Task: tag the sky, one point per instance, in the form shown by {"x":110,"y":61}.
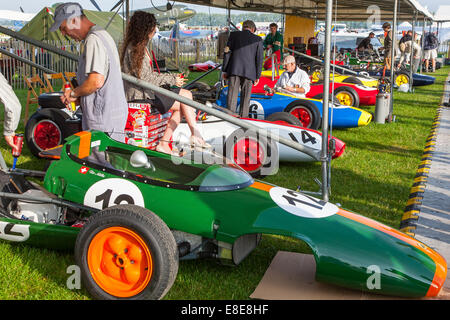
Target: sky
{"x":33,"y":6}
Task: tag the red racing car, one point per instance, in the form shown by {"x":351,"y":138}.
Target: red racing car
{"x":348,"y":94}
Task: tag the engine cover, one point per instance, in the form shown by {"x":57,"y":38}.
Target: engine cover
{"x":37,"y":212}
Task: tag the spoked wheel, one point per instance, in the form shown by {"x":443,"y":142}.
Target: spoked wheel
{"x":251,"y":152}
{"x":306,"y":112}
{"x":126,"y":252}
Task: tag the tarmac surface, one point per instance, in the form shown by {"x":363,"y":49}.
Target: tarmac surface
{"x":433,"y":225}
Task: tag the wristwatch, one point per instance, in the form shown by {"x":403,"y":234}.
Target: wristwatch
{"x":72,"y":94}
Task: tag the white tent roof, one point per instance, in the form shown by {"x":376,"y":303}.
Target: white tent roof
{"x":442,"y":14}
{"x":16,"y":15}
{"x":346,"y":9}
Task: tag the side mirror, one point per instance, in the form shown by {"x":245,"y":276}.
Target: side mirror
{"x":139,"y":159}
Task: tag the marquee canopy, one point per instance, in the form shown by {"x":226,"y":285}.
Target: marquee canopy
{"x":315,"y":9}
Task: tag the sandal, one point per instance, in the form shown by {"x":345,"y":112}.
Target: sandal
{"x":173,"y":152}
{"x":198,"y":142}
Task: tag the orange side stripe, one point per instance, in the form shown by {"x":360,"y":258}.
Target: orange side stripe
{"x":441,"y":265}
{"x":85,"y":144}
{"x":261,"y":186}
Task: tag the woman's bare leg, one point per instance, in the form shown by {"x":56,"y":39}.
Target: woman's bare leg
{"x":180,"y":109}
{"x":174,"y":120}
{"x":189,"y":113}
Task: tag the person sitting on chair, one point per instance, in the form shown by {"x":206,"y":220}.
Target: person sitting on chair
{"x":294,"y":80}
{"x":136,"y":61}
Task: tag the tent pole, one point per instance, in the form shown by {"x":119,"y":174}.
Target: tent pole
{"x":394,"y":41}
{"x":422,"y":40}
{"x":326,"y":101}
{"x":411,"y":59}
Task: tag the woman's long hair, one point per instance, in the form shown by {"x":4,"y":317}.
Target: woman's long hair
{"x":140,"y":26}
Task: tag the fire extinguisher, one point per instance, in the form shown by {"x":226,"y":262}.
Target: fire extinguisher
{"x":18,"y":141}
{"x":71,"y":106}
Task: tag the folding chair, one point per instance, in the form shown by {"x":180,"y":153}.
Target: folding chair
{"x":70,"y":76}
{"x":54,"y":76}
{"x":32,"y":96}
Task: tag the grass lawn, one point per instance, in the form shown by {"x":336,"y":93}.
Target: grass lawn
{"x":373,"y":178}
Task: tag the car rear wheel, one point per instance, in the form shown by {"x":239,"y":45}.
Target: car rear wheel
{"x":352,"y":80}
{"x":44,"y":132}
{"x":251,"y":152}
{"x":401,"y":78}
{"x":347,"y":96}
{"x":306,"y":112}
{"x":126,"y":252}
{"x":284,"y":118}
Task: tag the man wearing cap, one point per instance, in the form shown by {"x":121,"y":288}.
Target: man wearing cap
{"x":242,"y":65}
{"x":294,"y":80}
{"x":100,"y":93}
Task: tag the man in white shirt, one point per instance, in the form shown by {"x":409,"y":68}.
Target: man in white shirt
{"x":294,"y":80}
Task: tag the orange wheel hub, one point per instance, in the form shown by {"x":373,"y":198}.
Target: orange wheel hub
{"x":120,"y":262}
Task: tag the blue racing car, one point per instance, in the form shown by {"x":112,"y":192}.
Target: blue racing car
{"x":308,"y":111}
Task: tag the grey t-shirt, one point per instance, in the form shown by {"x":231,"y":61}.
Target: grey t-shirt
{"x":97,"y":58}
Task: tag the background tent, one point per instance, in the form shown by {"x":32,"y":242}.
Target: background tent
{"x":38,"y":28}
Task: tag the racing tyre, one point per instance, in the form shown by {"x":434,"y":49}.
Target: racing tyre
{"x":51,"y":100}
{"x":252,"y":152}
{"x":401,"y":78}
{"x":347,"y":96}
{"x":45,"y":130}
{"x":306,"y":112}
{"x":126,"y":252}
{"x":352,"y":80}
{"x":320,"y":97}
{"x":283,"y":118}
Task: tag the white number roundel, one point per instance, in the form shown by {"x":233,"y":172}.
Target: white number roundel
{"x":255,"y":110}
{"x":302,"y":205}
{"x":110,"y":192}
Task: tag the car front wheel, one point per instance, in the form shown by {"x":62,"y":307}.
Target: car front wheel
{"x":126,"y":252}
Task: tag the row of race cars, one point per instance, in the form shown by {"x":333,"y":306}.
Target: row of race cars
{"x":113,"y":203}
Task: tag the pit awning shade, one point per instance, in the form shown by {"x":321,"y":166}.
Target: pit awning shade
{"x":357,"y":10}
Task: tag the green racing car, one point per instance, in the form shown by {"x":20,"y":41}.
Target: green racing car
{"x":131,"y":214}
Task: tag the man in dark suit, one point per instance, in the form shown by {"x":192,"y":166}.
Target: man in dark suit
{"x":242,"y":65}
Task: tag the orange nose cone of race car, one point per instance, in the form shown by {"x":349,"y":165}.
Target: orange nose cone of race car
{"x":439,"y":276}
